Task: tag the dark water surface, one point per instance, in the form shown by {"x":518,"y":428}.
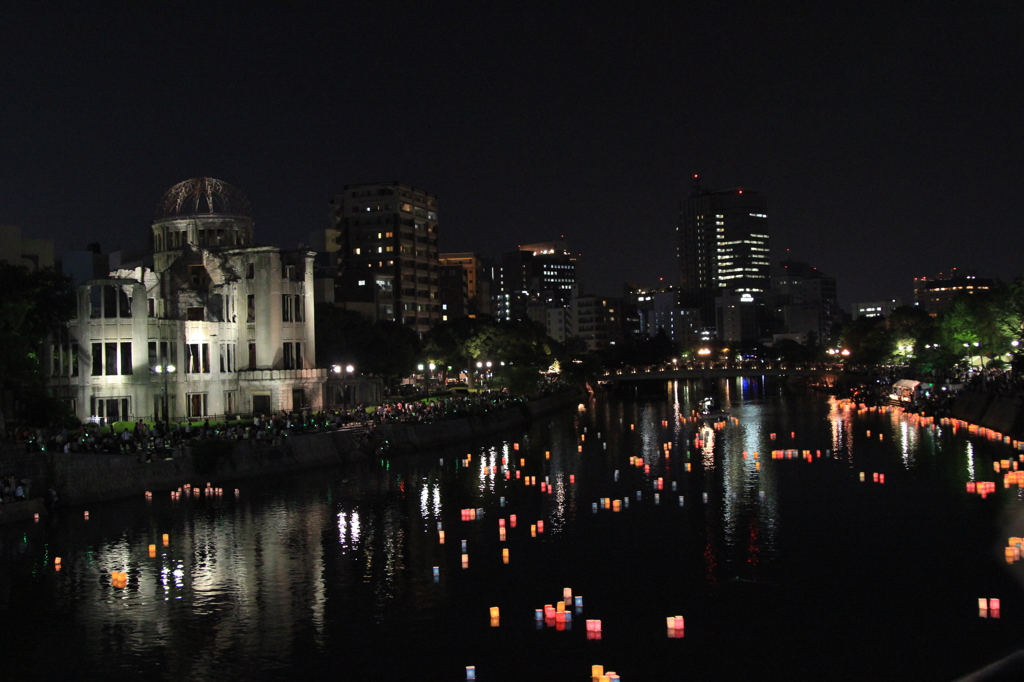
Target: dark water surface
{"x":328,"y":574}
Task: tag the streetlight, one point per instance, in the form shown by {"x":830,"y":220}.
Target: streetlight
{"x":348,"y":369}
{"x":165,"y":370}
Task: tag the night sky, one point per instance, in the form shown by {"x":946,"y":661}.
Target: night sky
{"x":887,"y":136}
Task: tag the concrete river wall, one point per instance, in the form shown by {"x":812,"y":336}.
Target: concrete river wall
{"x":1004,"y":414}
{"x":80,"y":478}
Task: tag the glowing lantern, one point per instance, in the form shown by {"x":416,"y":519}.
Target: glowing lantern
{"x":540,"y":526}
{"x":470,"y":672}
{"x":440,"y":537}
{"x":35,"y":517}
{"x":56,"y":561}
{"x":504,"y":555}
{"x":512,"y":520}
{"x":533,"y":530}
{"x":465,"y":561}
{"x":166,"y":539}
{"x":86,"y":516}
{"x":152,"y":550}
{"x":572,"y":478}
{"x":501,"y":534}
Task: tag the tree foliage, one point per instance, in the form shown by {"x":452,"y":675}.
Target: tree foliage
{"x":383,"y":348}
{"x":33,"y":305}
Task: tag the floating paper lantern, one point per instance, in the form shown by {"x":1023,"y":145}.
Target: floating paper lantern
{"x":86,"y":516}
{"x":494,"y":612}
{"x":578,"y":602}
{"x":616,"y":505}
{"x":705,"y":496}
{"x":470,"y":672}
{"x":501,"y":534}
{"x":538,"y":614}
{"x":522,"y":462}
{"x":504,"y":555}
{"x":463,"y":545}
{"x":440,"y":537}
{"x":152,"y":550}
{"x":881,"y":478}
{"x":437,"y":573}
{"x":512,"y":520}
{"x":593,"y":507}
{"x":572,"y":478}
{"x":657,"y":498}
{"x":540,"y":526}
{"x":56,"y":561}
{"x":533,"y":530}
{"x":680,"y":500}
{"x":465,"y":561}
{"x":35,"y":517}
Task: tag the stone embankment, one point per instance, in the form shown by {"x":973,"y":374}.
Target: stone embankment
{"x":1003,"y":414}
{"x":80,"y":478}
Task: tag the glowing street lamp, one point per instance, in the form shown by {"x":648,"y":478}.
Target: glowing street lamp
{"x":343,"y":372}
{"x":165,"y":370}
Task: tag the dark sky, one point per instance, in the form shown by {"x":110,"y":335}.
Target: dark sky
{"x":887,"y":136}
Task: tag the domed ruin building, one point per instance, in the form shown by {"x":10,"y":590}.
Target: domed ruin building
{"x":211,"y":323}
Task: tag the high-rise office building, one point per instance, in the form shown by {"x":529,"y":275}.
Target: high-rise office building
{"x":477,"y":274}
{"x":391,"y":228}
{"x":541,"y":274}
{"x":723,"y":247}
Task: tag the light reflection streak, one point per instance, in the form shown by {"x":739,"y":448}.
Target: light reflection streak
{"x":970,"y":461}
{"x":707,"y":435}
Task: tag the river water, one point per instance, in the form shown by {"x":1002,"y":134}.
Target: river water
{"x":790,"y":569}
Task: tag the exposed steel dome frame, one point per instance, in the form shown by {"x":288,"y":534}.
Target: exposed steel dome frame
{"x":202,"y":196}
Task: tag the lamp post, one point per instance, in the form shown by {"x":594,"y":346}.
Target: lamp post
{"x":343,"y":372}
{"x":165,"y":370}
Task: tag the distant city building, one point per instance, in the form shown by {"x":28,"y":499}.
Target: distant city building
{"x":596,"y":320}
{"x":722,"y":247}
{"x":804,"y":301}
{"x":681,"y":325}
{"x":454,"y":287}
{"x":739,"y":318}
{"x":16,"y":249}
{"x":390,"y":228}
{"x":209,"y":325}
{"x":937,"y":293}
{"x":478,"y":284}
{"x":543,"y":273}
{"x":876,"y":308}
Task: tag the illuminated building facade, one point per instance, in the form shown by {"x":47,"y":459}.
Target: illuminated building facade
{"x":937,"y":293}
{"x":233,"y":320}
{"x":390,"y":228}
{"x":722,"y":247}
{"x":539,"y":275}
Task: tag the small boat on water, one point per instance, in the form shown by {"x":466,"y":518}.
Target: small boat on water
{"x":711,"y":412}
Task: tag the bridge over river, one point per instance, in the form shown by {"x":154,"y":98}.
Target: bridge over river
{"x":828,"y":372}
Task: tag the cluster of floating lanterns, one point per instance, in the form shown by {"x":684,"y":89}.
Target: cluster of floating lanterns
{"x":988,"y":608}
{"x":597,"y":674}
{"x":1013,"y":550}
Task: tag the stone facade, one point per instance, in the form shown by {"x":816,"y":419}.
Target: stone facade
{"x":210,"y":323}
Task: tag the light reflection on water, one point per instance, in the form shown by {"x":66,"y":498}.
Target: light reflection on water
{"x":305,"y":567}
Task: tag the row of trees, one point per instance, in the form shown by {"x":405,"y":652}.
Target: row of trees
{"x":519,"y":352}
{"x":987,"y":326}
